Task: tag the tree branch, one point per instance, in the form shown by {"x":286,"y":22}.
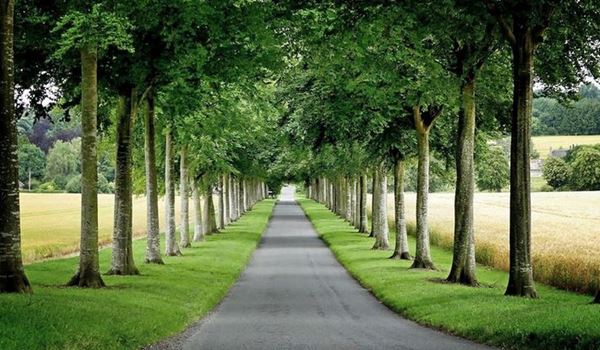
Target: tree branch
{"x":506,"y":29}
{"x":538,"y":31}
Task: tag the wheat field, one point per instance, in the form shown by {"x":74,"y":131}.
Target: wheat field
{"x":565,"y":233}
{"x":50,"y":222}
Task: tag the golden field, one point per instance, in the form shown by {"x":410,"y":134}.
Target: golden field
{"x":543,"y":144}
{"x":50,"y":222}
{"x":566,"y":233}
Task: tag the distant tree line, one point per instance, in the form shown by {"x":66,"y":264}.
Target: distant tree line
{"x":50,"y":155}
{"x":581,"y":117}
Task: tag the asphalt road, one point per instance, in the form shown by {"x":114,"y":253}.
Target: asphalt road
{"x":295,"y":295}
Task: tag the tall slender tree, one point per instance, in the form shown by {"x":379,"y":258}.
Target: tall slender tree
{"x":90,"y":33}
{"x":12,"y":275}
{"x":172,"y":247}
{"x":153,"y":255}
{"x":564,"y":34}
{"x":122,"y":252}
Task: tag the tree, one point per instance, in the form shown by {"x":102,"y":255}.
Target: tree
{"x":184,"y":224}
{"x":89,"y":33}
{"x":423,"y":123}
{"x":63,"y":162}
{"x":153,"y":226}
{"x":472,"y":35}
{"x":380,"y":226}
{"x":12,"y":275}
{"x":172,"y":248}
{"x":539,"y":28}
{"x":198,"y":222}
{"x":556,"y":172}
{"x":122,"y":248}
{"x":586,"y":169}
{"x":401,"y":247}
{"x":492,"y":170}
{"x":32,"y":162}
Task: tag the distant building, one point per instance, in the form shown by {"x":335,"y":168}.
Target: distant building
{"x":558,"y":153}
{"x":535,"y":167}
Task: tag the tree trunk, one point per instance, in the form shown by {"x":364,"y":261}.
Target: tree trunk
{"x":233,"y":198}
{"x":221,"y":203}
{"x":241,"y":195}
{"x":225,"y":195}
{"x":184,"y":225}
{"x":152,"y":224}
{"x":198,"y":229}
{"x":422,"y":254}
{"x":205,"y":223}
{"x":88,"y":274}
{"x":381,"y":230}
{"x":172,"y":248}
{"x":401,"y":246}
{"x":374,"y":207}
{"x":212,"y":222}
{"x":349,"y":205}
{"x":12,"y":275}
{"x":364,"y":220}
{"x":122,"y":254}
{"x":355,"y":204}
{"x":597,"y":299}
{"x":520,"y":280}
{"x":463,"y":259}
{"x":317,"y":185}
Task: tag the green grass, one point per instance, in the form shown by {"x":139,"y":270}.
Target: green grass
{"x":132,"y":311}
{"x":558,"y":320}
{"x":538,"y":184}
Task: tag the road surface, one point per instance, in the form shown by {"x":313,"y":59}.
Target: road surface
{"x":295,"y":295}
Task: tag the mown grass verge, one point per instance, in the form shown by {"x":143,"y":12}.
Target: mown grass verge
{"x":558,"y":320}
{"x":132,"y":311}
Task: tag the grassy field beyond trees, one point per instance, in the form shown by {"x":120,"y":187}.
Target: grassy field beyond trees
{"x":543,"y":144}
{"x":558,"y":320}
{"x":133,"y":311}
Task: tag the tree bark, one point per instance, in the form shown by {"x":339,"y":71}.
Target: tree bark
{"x":152,"y":223}
{"x":122,"y":254}
{"x":597,"y":299}
{"x":172,"y":248}
{"x":184,"y":225}
{"x":381,"y":229}
{"x":401,"y":246}
{"x":463,"y":259}
{"x":364,"y":220}
{"x":241,"y":196}
{"x":221,"y":203}
{"x":234,"y":198}
{"x":205,"y":223}
{"x":422,"y":254}
{"x":123,"y":220}
{"x":88,"y":274}
{"x":349,"y":204}
{"x":198,"y":227}
{"x":212,"y":222}
{"x":374,"y":207}
{"x":12,"y":274}
{"x":225,"y":195}
{"x":520,"y":280}
{"x":355,"y":204}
